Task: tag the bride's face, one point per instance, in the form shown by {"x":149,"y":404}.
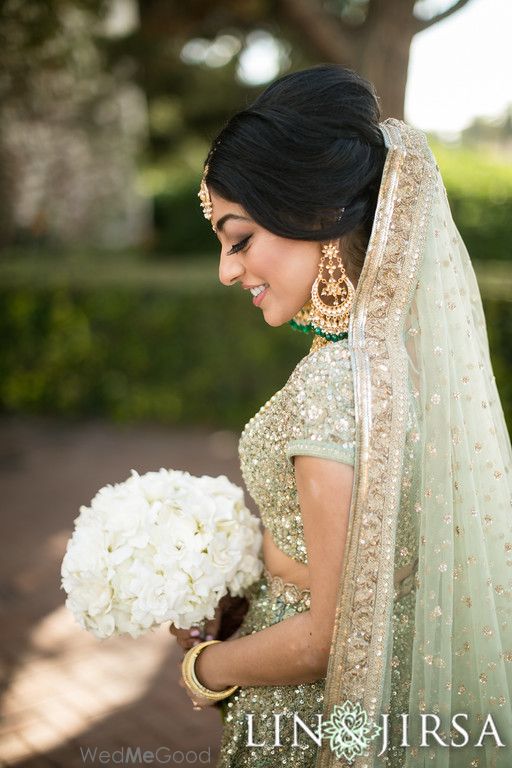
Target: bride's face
{"x":253,"y":256}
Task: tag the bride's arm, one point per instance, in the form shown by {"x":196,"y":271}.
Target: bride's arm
{"x":295,"y":650}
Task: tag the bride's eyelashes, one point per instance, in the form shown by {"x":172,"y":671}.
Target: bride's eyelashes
{"x":238,"y":246}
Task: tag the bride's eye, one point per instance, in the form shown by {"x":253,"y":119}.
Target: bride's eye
{"x":239,"y":246}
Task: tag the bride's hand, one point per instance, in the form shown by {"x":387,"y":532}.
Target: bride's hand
{"x":228,"y":617}
{"x":187,"y":638}
{"x":199,"y":702}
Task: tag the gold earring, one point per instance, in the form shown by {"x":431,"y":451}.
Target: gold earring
{"x":327,"y":312}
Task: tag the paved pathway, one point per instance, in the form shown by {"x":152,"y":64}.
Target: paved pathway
{"x":66,"y":696}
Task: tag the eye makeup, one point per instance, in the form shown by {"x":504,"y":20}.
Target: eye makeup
{"x":239,"y":246}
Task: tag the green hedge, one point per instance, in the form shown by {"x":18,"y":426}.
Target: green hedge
{"x":134,"y":353}
{"x":165,"y":344}
{"x":479,"y":188}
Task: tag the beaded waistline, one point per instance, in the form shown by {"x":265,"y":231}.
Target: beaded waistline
{"x":288,"y":592}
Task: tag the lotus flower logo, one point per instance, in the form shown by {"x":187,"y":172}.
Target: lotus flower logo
{"x":349,"y":731}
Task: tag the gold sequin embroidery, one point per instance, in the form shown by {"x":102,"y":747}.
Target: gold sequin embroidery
{"x":313,"y":415}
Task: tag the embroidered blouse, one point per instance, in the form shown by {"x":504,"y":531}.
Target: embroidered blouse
{"x":312,"y":415}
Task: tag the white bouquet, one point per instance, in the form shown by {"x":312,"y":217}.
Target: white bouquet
{"x":163,"y":546}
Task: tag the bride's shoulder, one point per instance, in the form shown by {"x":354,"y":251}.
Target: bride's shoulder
{"x":327,"y":360}
{"x":320,"y":404}
{"x":323,"y":373}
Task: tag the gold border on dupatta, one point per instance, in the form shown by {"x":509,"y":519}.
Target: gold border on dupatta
{"x":356,"y":670}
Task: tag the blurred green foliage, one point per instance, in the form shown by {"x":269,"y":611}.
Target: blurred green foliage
{"x":120,"y":339}
{"x":479,"y":187}
{"x":165,"y":348}
{"x":179,"y":229}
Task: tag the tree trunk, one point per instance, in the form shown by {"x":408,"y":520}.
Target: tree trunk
{"x":8,"y":189}
{"x":383,"y":56}
{"x":377,"y":49}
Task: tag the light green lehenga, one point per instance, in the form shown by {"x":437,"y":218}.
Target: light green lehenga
{"x":263,"y":701}
{"x":306,"y":699}
{"x":313,"y":414}
{"x":423,"y":624}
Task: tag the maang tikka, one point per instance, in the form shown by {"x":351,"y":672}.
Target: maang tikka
{"x":327,"y":312}
{"x":204,"y":197}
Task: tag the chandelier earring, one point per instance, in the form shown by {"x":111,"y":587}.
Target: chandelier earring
{"x":327,"y":312}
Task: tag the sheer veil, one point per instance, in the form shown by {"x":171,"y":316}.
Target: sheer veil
{"x":424,"y":610}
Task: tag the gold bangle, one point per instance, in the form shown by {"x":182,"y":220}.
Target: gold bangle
{"x":190,"y":677}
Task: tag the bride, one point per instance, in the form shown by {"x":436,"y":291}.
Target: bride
{"x":380,"y":632}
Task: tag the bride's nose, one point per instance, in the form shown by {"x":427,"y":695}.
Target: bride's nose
{"x":230,"y":269}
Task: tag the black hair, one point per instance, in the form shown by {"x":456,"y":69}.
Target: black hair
{"x":307,"y":147}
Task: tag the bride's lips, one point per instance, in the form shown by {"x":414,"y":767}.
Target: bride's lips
{"x":259,"y":298}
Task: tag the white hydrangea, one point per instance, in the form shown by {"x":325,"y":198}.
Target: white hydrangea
{"x":163,"y":546}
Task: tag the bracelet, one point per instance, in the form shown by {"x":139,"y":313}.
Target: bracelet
{"x":190,"y":677}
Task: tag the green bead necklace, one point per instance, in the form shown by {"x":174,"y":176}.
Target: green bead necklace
{"x":308,"y":328}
